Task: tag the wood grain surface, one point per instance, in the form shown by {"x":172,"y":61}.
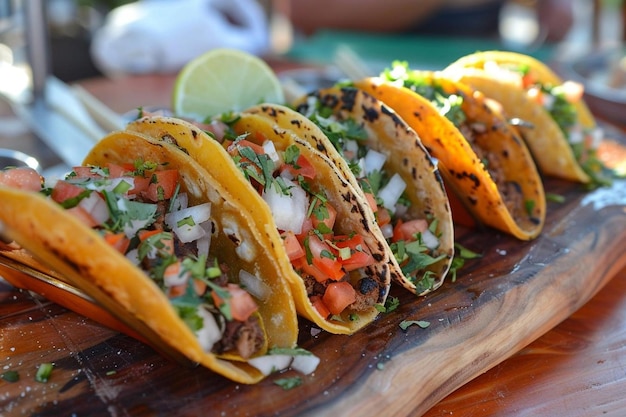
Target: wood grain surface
{"x":499,"y":304}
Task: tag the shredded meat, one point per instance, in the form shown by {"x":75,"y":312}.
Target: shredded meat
{"x":245,"y":338}
{"x":510,"y":191}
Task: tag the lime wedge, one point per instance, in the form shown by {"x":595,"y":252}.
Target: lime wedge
{"x":224,"y":80}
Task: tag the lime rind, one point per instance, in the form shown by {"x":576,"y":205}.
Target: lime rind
{"x":224,"y":80}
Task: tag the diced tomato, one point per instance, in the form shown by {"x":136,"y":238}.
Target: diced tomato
{"x":383,"y":217}
{"x":140,"y":186}
{"x":331,"y":268}
{"x":85,"y":172}
{"x":21,"y":178}
{"x":117,"y":240}
{"x":145,"y":234}
{"x":338,"y":296}
{"x":317,"y":246}
{"x":302,"y":167}
{"x":82,"y":215}
{"x":355,"y":242}
{"x":360,"y":256}
{"x":292,"y":246}
{"x":164,"y":186}
{"x":318,"y":304}
{"x":242,"y":305}
{"x":118,"y":171}
{"x":64,"y":190}
{"x":407,"y":230}
{"x":528,"y":79}
{"x":311,"y":270}
{"x":371,"y":200}
{"x":259,"y":137}
{"x":176,"y":290}
{"x":358,"y":259}
{"x":328,"y":221}
{"x":244,"y":143}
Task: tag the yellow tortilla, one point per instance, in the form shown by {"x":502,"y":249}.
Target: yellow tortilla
{"x":461,"y":167}
{"x":80,"y":254}
{"x":548,"y":144}
{"x":353,"y":213}
{"x":387,"y":133}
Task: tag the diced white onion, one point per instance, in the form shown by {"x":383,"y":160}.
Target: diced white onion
{"x":254,"y":285}
{"x":270,"y":150}
{"x":204,"y":243}
{"x":374,"y":161}
{"x":189,"y":232}
{"x":548,"y":101}
{"x":131,"y":229}
{"x":430,"y":240}
{"x":351,"y":147}
{"x":210,"y":332}
{"x":305,"y":364}
{"x":288,"y":211}
{"x":387,"y":230}
{"x":181,"y":201}
{"x":133,"y":256}
{"x":575,"y":135}
{"x":96,"y":207}
{"x":286,"y":174}
{"x":392,"y":191}
{"x":271,"y":363}
{"x":597,"y":135}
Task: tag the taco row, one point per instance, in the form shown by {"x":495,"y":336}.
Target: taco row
{"x":218,"y":236}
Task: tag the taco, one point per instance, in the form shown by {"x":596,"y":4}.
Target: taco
{"x":152,"y":230}
{"x":400,"y":180}
{"x":483,"y":162}
{"x":323,"y":234}
{"x":557,"y":125}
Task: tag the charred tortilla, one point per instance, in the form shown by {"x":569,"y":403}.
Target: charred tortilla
{"x":558,"y":127}
{"x":482,"y":160}
{"x":246,"y":132}
{"x":81,"y":254}
{"x":361,"y":129}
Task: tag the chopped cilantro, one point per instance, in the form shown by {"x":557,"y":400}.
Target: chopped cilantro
{"x":288,"y":383}
{"x":405,"y":324}
{"x":555,"y":198}
{"x":10,"y":376}
{"x":461,"y":255}
{"x":43,"y":372}
{"x":391,"y":304}
{"x":529,"y":205}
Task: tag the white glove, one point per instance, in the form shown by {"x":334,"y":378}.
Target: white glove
{"x":151,"y":36}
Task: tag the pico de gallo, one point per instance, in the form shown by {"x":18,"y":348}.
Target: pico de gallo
{"x":559,"y":101}
{"x":329,"y":263}
{"x":141,"y":211}
{"x":413,"y":241}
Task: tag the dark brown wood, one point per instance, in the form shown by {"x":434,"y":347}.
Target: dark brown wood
{"x":499,"y":304}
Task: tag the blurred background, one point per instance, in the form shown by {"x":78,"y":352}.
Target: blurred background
{"x":121,"y":28}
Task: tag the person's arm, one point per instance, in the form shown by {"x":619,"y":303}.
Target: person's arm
{"x":364,"y":15}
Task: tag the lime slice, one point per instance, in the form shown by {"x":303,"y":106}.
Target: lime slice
{"x":224,"y":80}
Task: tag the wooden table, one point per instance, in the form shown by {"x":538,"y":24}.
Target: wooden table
{"x":576,"y":369}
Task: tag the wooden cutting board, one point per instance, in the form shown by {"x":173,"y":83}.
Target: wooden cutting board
{"x":499,"y":303}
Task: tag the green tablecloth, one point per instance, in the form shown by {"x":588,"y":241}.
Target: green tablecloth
{"x":421,"y":52}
